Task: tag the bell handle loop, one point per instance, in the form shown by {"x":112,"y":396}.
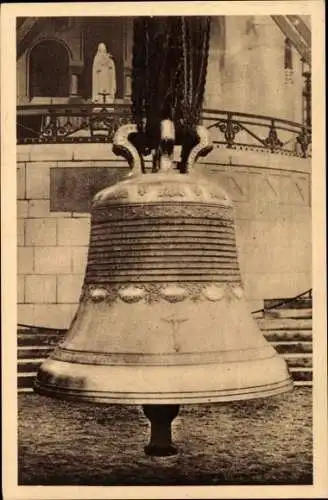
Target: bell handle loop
{"x":166,"y":147}
{"x":122,"y":146}
{"x":202,"y":148}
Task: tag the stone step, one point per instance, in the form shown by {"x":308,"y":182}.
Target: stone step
{"x":293,"y":355}
{"x":39,"y":339}
{"x":34,"y":351}
{"x":28,"y":365}
{"x":305,"y":313}
{"x":295,"y":360}
{"x":292,"y":347}
{"x":301,"y":303}
{"x":25,"y":379}
{"x":297,"y":370}
{"x":301,"y":374}
{"x":284,"y":323}
{"x":288,"y":335}
{"x":25,"y":389}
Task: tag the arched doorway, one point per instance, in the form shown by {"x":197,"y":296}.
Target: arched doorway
{"x":49,"y":70}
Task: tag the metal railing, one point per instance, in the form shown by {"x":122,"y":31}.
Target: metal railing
{"x":67,"y":123}
{"x":74,"y":123}
{"x":236,"y":130}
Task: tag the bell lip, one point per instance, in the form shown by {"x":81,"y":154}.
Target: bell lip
{"x":220,"y":396}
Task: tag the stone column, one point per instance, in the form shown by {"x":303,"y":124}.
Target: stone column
{"x":270,"y":96}
{"x":235,"y":86}
{"x":161,"y":417}
{"x":253,"y":76}
{"x":74,"y":85}
{"x":75,"y":72}
{"x":213,"y":98}
{"x":127,"y":58}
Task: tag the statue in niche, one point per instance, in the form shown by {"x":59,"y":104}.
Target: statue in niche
{"x":103,"y":77}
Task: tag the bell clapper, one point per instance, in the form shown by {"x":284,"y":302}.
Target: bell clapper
{"x":161,"y":417}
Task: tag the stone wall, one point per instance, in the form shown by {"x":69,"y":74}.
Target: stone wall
{"x":246,"y":69}
{"x":52,"y":246}
{"x":273,"y":223}
{"x":272,"y":199}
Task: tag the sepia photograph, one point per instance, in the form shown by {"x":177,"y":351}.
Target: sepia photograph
{"x":169,"y":245}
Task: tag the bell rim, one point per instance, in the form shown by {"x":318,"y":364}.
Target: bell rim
{"x":142,"y":399}
{"x":197,"y":383}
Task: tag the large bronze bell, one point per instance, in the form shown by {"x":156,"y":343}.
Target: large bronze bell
{"x":163,"y":318}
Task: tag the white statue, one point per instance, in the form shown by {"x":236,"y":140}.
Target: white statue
{"x":103,"y":76}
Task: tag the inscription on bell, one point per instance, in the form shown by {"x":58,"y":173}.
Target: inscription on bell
{"x":171,"y":191}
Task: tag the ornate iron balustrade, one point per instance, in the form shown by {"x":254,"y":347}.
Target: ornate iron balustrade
{"x":236,"y":130}
{"x":74,"y":123}
{"x":70,"y":123}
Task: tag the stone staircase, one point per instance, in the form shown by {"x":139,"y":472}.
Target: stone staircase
{"x":34,"y":345}
{"x":286,"y":324}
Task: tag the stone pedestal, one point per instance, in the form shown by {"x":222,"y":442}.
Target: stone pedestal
{"x":74,"y":91}
{"x":161,"y":417}
{"x":74,"y":85}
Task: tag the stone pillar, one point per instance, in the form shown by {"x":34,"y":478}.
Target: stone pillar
{"x":74,"y":85}
{"x":22,"y":80}
{"x":235,"y":88}
{"x":161,"y":417}
{"x":213,"y":98}
{"x":127,"y":58}
{"x":75,"y":72}
{"x":253,"y":78}
{"x":269,"y":92}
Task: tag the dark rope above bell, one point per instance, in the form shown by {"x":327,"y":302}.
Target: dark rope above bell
{"x":168,"y":78}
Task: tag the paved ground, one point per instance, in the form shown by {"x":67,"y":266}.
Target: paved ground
{"x":265,"y":441}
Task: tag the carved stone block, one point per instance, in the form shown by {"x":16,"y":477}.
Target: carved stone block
{"x":72,"y":189}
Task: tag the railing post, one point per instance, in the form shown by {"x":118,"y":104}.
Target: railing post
{"x":230,"y":129}
{"x":49,"y":126}
{"x":273,"y":141}
{"x":307,"y":93}
{"x":304,"y":140}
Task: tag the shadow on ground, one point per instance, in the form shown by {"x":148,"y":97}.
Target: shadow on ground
{"x":267,"y":441}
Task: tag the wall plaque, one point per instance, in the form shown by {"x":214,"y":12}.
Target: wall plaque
{"x":73,"y":188}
